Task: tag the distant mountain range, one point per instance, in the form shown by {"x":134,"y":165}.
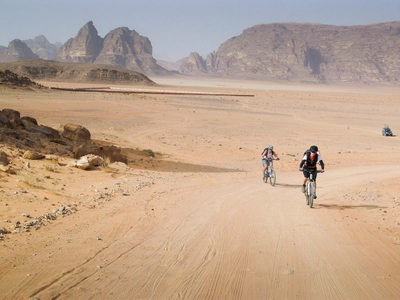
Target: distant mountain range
{"x":296,"y":52}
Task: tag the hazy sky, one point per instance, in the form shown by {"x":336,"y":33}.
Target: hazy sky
{"x":178,"y":27}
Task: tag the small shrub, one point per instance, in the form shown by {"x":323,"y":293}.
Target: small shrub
{"x":51,"y":167}
{"x":149,"y":152}
{"x":30,"y":179}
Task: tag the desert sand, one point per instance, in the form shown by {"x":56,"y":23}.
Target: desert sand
{"x":197,"y":221}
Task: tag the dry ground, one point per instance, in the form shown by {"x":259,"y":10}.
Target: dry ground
{"x":197,"y":221}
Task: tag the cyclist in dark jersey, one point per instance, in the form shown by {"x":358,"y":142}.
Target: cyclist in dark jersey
{"x":309,"y":165}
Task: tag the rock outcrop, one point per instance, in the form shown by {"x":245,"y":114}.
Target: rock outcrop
{"x":121,"y":47}
{"x":76,"y":133}
{"x":126,"y":48}
{"x":11,"y":80}
{"x":39,"y":141}
{"x":83,"y":48}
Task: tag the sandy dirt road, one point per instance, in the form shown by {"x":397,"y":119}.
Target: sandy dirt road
{"x":201,"y":224}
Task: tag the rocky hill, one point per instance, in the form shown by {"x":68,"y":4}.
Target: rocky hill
{"x":73,"y":72}
{"x":120,"y":47}
{"x":9,"y":80}
{"x":304,"y":52}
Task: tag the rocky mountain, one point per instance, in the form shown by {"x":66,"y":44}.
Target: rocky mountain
{"x":194,"y":63}
{"x":297,"y":52}
{"x":120,"y":47}
{"x":306,"y":52}
{"x":17,"y":50}
{"x":42,"y":47}
{"x":83,"y":48}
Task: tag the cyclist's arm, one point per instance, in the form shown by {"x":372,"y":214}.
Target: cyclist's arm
{"x":302,"y":163}
{"x":322,"y":164}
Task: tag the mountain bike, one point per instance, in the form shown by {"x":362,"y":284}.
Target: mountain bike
{"x":270,"y":172}
{"x":310,"y":189}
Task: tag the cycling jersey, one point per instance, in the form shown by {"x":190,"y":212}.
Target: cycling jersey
{"x":308,"y":162}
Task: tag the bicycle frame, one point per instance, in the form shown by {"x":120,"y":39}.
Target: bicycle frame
{"x":310,"y":188}
{"x":270,"y":172}
{"x":270,"y":163}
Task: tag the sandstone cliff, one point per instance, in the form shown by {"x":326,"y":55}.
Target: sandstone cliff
{"x":310,"y":53}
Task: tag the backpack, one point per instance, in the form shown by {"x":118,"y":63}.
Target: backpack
{"x":266,"y":152}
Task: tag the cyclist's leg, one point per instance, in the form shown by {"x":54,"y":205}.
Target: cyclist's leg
{"x":265,"y":166}
{"x":306,"y":174}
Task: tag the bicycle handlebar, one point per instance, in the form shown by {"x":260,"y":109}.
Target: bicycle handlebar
{"x":308,"y":170}
{"x":271,"y":158}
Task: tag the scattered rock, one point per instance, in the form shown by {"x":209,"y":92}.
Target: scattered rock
{"x":7,"y":169}
{"x":33,"y":155}
{"x":87,"y":162}
{"x":45,"y":130}
{"x":3,"y":230}
{"x":113,"y":153}
{"x":76,"y":133}
{"x":3,"y":158}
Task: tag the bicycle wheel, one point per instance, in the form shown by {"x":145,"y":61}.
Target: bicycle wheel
{"x":311,"y":194}
{"x":265,"y":178}
{"x":272,"y":176}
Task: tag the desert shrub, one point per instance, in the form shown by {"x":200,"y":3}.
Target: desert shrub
{"x":149,"y":152}
{"x":29,"y":178}
{"x":51,"y":167}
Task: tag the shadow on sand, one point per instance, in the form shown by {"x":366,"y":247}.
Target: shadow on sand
{"x":296,"y":186}
{"x":343,"y":207}
{"x":175,"y":166}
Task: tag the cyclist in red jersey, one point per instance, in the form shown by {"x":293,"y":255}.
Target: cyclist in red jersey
{"x":309,"y":165}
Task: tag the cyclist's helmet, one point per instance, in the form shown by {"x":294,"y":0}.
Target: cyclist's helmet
{"x":314,"y":148}
{"x":271,"y":147}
